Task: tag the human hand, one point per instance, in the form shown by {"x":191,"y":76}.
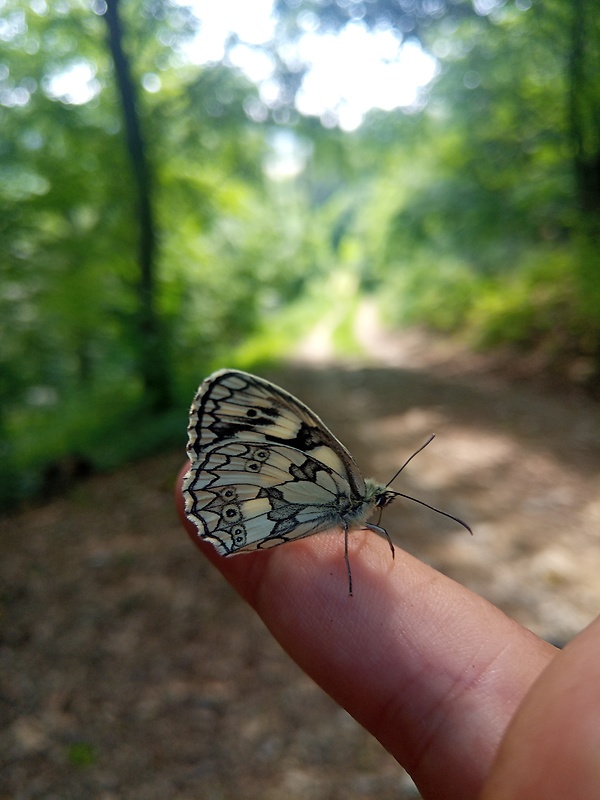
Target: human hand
{"x":432,"y":670}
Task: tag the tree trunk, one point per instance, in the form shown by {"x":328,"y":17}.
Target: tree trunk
{"x":151,"y":349}
{"x":584,"y":110}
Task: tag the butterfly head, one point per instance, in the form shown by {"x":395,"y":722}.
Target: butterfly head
{"x":384,"y":498}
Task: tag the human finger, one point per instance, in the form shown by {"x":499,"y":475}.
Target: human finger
{"x":552,"y":747}
{"x":429,"y":668}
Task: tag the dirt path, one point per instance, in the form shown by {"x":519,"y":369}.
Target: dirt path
{"x":128,"y":668}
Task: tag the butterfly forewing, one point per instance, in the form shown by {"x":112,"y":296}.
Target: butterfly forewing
{"x":235,"y":405}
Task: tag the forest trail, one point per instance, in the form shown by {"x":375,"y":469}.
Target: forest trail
{"x":129,"y":668}
{"x":517,"y":455}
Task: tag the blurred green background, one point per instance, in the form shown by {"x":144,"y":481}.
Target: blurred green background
{"x":166,"y":211}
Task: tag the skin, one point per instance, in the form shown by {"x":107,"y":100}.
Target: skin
{"x":469,"y":702}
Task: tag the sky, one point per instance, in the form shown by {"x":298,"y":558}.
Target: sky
{"x":349,"y":73}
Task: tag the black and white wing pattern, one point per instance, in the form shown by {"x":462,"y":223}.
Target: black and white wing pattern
{"x":265,"y":469}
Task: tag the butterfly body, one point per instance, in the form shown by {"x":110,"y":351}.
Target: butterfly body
{"x":266,"y":470}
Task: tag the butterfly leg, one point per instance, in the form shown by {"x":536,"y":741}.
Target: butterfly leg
{"x":379,"y":529}
{"x":391,"y":544}
{"x":347,"y":559}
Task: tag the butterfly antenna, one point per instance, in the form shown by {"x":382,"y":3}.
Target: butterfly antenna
{"x":433,"y":508}
{"x":409,"y":459}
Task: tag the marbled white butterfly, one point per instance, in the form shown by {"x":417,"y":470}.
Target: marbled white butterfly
{"x":265,"y":470}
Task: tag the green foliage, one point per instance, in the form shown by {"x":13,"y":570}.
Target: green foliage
{"x":90,"y":431}
{"x":435,"y":291}
{"x":476,"y":222}
{"x":69,"y":305}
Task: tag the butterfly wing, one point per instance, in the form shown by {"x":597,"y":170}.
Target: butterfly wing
{"x":246,"y":496}
{"x":264,"y":468}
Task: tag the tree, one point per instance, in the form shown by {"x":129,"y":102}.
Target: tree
{"x":152,"y":350}
{"x":584,"y":105}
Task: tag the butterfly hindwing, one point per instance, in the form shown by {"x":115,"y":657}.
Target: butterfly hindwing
{"x":249,"y":496}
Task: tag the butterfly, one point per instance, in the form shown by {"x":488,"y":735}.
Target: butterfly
{"x":265,"y":470}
